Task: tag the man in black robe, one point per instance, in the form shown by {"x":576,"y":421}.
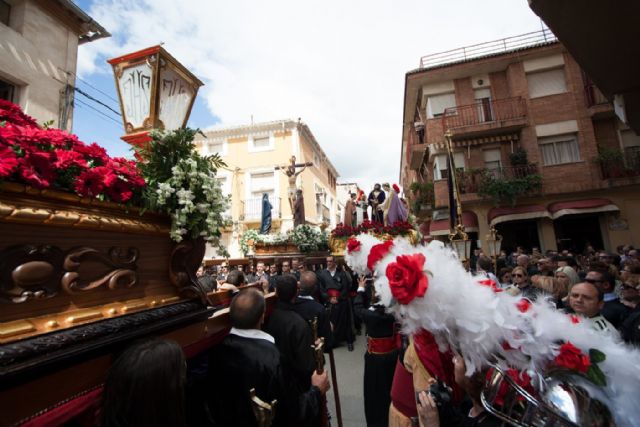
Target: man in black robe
{"x":294,"y":341}
{"x":335,"y":285}
{"x":310,"y":309}
{"x":380,"y":358}
{"x":248,"y":359}
{"x":376,"y":198}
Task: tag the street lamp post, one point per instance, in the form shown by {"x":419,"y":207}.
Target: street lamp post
{"x":155,"y":92}
{"x":458,"y":237}
{"x":494,"y":243}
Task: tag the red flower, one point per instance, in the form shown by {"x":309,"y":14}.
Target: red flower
{"x":66,"y":159}
{"x":8,"y":162}
{"x":520,"y":378}
{"x":92,"y":152}
{"x":93,"y":182}
{"x":353,"y":245}
{"x":574,"y":319}
{"x":12,"y":113}
{"x":523,"y":305}
{"x":571,"y":357}
{"x":491,"y":284}
{"x":35,"y":169}
{"x":377,"y":253}
{"x":406,"y":278}
{"x":119,"y":191}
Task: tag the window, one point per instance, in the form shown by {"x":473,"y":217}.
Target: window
{"x":216,"y":146}
{"x":7,"y":90}
{"x":262,"y":182}
{"x":547,"y":82}
{"x":559,"y":149}
{"x":224,"y":186}
{"x":631,"y":146}
{"x":492,"y":159}
{"x":436,"y":104}
{"x":5,"y":12}
{"x":440,"y":165}
{"x":483,"y":101}
{"x":262,"y":143}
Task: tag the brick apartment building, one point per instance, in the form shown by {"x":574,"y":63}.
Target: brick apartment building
{"x":539,"y":151}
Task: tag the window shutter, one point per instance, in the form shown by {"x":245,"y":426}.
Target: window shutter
{"x":436,"y":104}
{"x":548,"y":82}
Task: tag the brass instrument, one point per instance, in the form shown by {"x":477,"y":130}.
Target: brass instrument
{"x":563,"y":401}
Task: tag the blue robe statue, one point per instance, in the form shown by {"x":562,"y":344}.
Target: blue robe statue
{"x":265,"y":226}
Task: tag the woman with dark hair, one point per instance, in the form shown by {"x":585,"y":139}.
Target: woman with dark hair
{"x":145,"y":386}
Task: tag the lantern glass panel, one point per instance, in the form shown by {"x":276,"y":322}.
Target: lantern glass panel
{"x":176,"y":95}
{"x":135,"y":89}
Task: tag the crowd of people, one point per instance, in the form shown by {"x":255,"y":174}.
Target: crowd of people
{"x":274,"y":357}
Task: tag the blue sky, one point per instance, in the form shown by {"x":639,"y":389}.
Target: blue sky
{"x":337,"y":65}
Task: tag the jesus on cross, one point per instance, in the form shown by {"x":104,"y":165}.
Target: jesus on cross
{"x":292,"y":175}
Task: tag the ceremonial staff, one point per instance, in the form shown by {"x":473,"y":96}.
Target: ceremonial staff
{"x":318,"y":355}
{"x":334,"y":379}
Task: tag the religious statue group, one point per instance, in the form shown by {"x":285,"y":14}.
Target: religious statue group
{"x":383,"y":206}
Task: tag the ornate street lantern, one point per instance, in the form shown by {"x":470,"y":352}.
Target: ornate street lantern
{"x":494,"y":244}
{"x":155,"y":91}
{"x":460,"y":243}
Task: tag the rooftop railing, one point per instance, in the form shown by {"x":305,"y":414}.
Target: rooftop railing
{"x":488,"y":48}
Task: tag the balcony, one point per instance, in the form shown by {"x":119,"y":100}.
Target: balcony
{"x":252,"y":209}
{"x":622,"y":166}
{"x":486,"y":117}
{"x":598,"y":105}
{"x":471,"y":181}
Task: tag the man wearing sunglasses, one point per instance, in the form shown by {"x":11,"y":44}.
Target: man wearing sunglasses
{"x":613,"y":310}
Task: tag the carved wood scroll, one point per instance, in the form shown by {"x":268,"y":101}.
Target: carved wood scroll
{"x":121,"y":269}
{"x":186,"y":257}
{"x":29,"y":272}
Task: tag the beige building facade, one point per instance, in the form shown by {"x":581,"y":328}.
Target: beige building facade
{"x":252,"y":152}
{"x":38,"y":55}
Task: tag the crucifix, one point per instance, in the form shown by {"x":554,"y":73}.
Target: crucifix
{"x":292,"y":174}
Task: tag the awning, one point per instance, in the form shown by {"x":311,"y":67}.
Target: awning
{"x":581,"y":207}
{"x":441,"y":227}
{"x":498,"y":215}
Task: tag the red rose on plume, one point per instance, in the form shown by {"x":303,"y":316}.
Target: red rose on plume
{"x":490,"y":284}
{"x":406,"y":278}
{"x":8,"y":162}
{"x":574,"y":319}
{"x":377,"y":253}
{"x":523,"y":305}
{"x":353,"y":245}
{"x":571,"y":357}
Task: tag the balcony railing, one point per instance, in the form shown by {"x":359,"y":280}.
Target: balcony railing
{"x":470,"y":180}
{"x":626,"y":166}
{"x":486,"y":111}
{"x":488,"y":48}
{"x":594,"y":96}
{"x":252,"y":208}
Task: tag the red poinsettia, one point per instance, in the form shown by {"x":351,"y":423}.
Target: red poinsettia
{"x":66,"y":159}
{"x":12,"y":113}
{"x":92,"y":182}
{"x":353,"y":245}
{"x":377,"y":253}
{"x":406,"y":278}
{"x":571,"y":357}
{"x":8,"y":162}
{"x":36,"y":169}
{"x":523,"y":305}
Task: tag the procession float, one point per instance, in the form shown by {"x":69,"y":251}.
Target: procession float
{"x":98,"y":251}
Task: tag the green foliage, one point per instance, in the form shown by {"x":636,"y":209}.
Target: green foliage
{"x":308,"y":238}
{"x":507,"y":190}
{"x":594,"y":373}
{"x":423,"y":194}
{"x":248,"y":235}
{"x":519,"y":157}
{"x":182,"y":184}
{"x":607,"y":156}
{"x":48,"y":124}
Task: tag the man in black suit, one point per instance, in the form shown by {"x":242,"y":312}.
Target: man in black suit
{"x":307,"y":307}
{"x":335,"y":285}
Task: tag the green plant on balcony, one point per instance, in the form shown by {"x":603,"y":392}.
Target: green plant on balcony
{"x":422,"y":196}
{"x":519,"y":157}
{"x":501,"y":190}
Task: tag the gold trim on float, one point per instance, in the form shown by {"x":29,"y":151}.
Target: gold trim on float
{"x":53,"y":322}
{"x":83,"y":316}
{"x":18,"y":327}
{"x":134,"y":307}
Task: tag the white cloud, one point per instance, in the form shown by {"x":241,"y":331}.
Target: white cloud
{"x":339,"y":65}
